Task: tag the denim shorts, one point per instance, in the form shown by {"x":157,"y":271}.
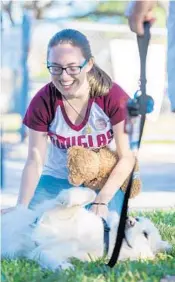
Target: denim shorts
{"x":49,"y":187}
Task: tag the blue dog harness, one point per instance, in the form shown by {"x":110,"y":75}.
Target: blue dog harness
{"x":106,"y":236}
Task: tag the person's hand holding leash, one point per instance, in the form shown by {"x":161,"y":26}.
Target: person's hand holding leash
{"x":139,"y":12}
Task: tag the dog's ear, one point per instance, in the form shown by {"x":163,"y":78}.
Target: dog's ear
{"x":164,"y":246}
{"x":75,"y":196}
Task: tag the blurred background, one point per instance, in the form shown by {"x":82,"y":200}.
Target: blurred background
{"x":27,"y":26}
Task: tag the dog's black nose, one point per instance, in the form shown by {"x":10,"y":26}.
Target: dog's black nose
{"x":131,"y":221}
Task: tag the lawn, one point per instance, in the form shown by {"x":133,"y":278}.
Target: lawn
{"x":153,"y":271}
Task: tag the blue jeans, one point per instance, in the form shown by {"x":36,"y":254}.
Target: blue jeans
{"x":49,"y":187}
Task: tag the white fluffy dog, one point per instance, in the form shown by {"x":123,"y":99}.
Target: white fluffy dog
{"x":62,"y":228}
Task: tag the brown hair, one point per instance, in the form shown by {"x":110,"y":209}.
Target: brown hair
{"x":100,"y":83}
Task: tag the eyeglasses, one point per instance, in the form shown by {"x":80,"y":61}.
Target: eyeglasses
{"x":72,"y":70}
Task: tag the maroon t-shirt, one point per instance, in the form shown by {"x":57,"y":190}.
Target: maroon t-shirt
{"x":46,"y":113}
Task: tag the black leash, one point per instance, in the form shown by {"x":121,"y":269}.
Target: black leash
{"x":140,"y":105}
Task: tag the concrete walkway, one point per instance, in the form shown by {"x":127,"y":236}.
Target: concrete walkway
{"x":157,"y":167}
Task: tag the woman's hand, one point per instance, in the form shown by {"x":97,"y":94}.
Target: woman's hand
{"x":6,"y":210}
{"x":100,"y":210}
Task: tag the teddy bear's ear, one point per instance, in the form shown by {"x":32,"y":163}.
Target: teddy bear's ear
{"x":75,"y":150}
{"x":75,"y":180}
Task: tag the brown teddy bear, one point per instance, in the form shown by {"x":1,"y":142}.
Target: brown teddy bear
{"x":93,"y":167}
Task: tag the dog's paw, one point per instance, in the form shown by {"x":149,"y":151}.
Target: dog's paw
{"x":75,"y":196}
{"x":168,"y":278}
{"x":55,"y":265}
{"x":164,"y":246}
{"x":64,"y":198}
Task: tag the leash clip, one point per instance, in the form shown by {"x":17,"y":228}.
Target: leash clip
{"x":136,"y":106}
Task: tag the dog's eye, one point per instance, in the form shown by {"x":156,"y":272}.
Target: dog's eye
{"x":145,"y":234}
{"x":137,"y":219}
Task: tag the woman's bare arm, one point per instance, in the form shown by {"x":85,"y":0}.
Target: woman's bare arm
{"x":123,"y":168}
{"x":33,"y":168}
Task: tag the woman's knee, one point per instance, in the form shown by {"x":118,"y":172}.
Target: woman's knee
{"x":40,"y":197}
{"x":48,"y":188}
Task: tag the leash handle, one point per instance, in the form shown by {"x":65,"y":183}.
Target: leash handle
{"x":144,"y":99}
{"x":143,"y":42}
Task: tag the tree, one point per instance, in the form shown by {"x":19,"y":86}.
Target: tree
{"x":38,"y":7}
{"x":106,"y":8}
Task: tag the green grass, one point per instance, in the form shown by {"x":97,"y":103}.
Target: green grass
{"x":11,"y":122}
{"x":163,"y":142}
{"x":153,"y":271}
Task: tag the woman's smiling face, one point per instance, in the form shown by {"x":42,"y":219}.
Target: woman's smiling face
{"x":65,"y":55}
